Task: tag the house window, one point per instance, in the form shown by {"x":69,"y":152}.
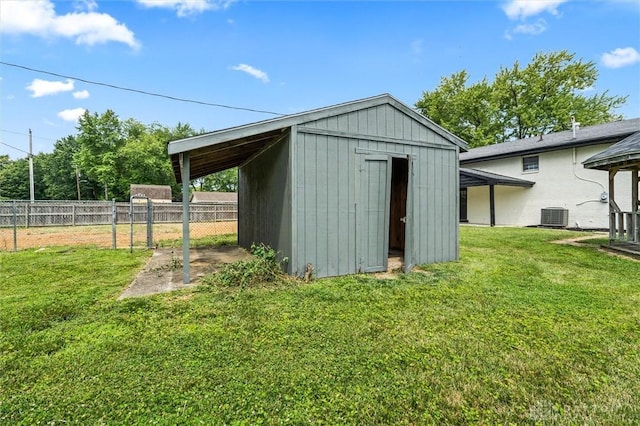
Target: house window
{"x":530,"y":164}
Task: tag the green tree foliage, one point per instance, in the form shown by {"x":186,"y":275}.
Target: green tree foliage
{"x":106,"y":152}
{"x":520,"y":102}
{"x":117,"y":153}
{"x":224,"y":181}
{"x":14,"y":178}
{"x":62,"y":177}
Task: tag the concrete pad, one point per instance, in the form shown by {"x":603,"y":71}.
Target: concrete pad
{"x":163,"y":271}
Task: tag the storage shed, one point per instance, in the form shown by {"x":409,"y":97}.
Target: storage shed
{"x":338,"y":187}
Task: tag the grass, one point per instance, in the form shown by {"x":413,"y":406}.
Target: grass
{"x":518,"y":331}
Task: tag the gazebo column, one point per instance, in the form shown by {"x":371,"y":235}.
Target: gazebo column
{"x":612,"y":203}
{"x":635,"y":232}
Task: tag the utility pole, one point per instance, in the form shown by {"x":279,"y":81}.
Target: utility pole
{"x":31,"y":187}
{"x":78,"y":182}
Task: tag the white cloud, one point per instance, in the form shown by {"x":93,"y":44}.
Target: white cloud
{"x":85,"y":27}
{"x":81,"y":94}
{"x":41,"y":88}
{"x":71,"y":114}
{"x":254,"y":72}
{"x":620,"y":57}
{"x":521,"y":9}
{"x":85,"y":5}
{"x":536,"y":28}
{"x":188,"y":7}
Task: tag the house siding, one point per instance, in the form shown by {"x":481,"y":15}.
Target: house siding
{"x":561,"y":181}
{"x":264,"y":199}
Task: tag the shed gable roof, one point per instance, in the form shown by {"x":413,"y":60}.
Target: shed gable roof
{"x":622,"y":154}
{"x":590,"y":135}
{"x":226,"y":148}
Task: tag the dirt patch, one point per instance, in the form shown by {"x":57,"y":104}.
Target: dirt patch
{"x":163,"y":272}
{"x":576,"y":241}
{"x":102,"y":236}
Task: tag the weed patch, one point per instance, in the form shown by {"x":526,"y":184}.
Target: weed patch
{"x":264,"y":267}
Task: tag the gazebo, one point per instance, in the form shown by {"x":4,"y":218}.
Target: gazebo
{"x":624,"y":156}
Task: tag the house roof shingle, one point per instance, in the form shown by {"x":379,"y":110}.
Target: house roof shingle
{"x":591,"y":135}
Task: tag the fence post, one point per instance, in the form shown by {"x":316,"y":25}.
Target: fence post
{"x":149,"y":223}
{"x":26,"y":215}
{"x":15,"y":227}
{"x":73,"y":215}
{"x":114,"y":220}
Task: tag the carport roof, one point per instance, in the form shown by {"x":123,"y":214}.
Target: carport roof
{"x":226,"y":148}
{"x":474,"y":177}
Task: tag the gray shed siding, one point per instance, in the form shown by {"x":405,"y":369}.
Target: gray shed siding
{"x":326,"y":184}
{"x":264,"y":199}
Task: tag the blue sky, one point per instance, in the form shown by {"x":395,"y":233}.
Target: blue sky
{"x":280,"y":56}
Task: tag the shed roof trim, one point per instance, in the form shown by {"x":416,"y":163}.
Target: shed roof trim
{"x":248,"y":130}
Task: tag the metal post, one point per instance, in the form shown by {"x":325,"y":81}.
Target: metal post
{"x":114,"y":220}
{"x":492,"y":205}
{"x":31,"y":185}
{"x":185,"y":165}
{"x":131,"y":224}
{"x":15,"y":227}
{"x":149,"y":223}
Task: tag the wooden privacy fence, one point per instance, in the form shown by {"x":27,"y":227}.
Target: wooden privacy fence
{"x":77,"y":213}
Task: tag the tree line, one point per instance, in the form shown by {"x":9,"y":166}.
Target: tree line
{"x":102,"y":160}
{"x":108,"y":154}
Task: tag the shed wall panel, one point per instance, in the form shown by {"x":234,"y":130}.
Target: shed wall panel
{"x":327,"y":196}
{"x":264,"y":199}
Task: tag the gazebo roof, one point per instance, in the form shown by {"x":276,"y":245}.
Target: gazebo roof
{"x":623,"y":155}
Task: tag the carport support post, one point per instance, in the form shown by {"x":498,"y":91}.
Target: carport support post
{"x":492,"y":205}
{"x":186,"y":166}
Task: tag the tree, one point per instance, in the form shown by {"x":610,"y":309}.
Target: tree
{"x":62,"y":176}
{"x":224,"y":181}
{"x":520,"y":102}
{"x":100,"y":137}
{"x":14,"y":178}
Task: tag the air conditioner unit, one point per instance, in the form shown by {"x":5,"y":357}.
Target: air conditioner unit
{"x":554,"y":216}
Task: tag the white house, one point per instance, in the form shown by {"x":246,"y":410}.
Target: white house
{"x":541,"y":181}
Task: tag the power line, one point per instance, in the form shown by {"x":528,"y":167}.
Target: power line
{"x":25,"y":134}
{"x":143,"y":92}
{"x":11,"y":146}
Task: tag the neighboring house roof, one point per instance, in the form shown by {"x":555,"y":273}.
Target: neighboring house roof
{"x":591,"y":135}
{"x":214,"y":197}
{"x":223,"y":149}
{"x":622,"y":154}
{"x":154,"y":192}
{"x":474,"y":177}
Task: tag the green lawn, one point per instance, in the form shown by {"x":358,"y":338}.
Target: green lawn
{"x":520,"y":330}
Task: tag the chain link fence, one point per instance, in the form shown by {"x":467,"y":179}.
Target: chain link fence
{"x":139,"y":223}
